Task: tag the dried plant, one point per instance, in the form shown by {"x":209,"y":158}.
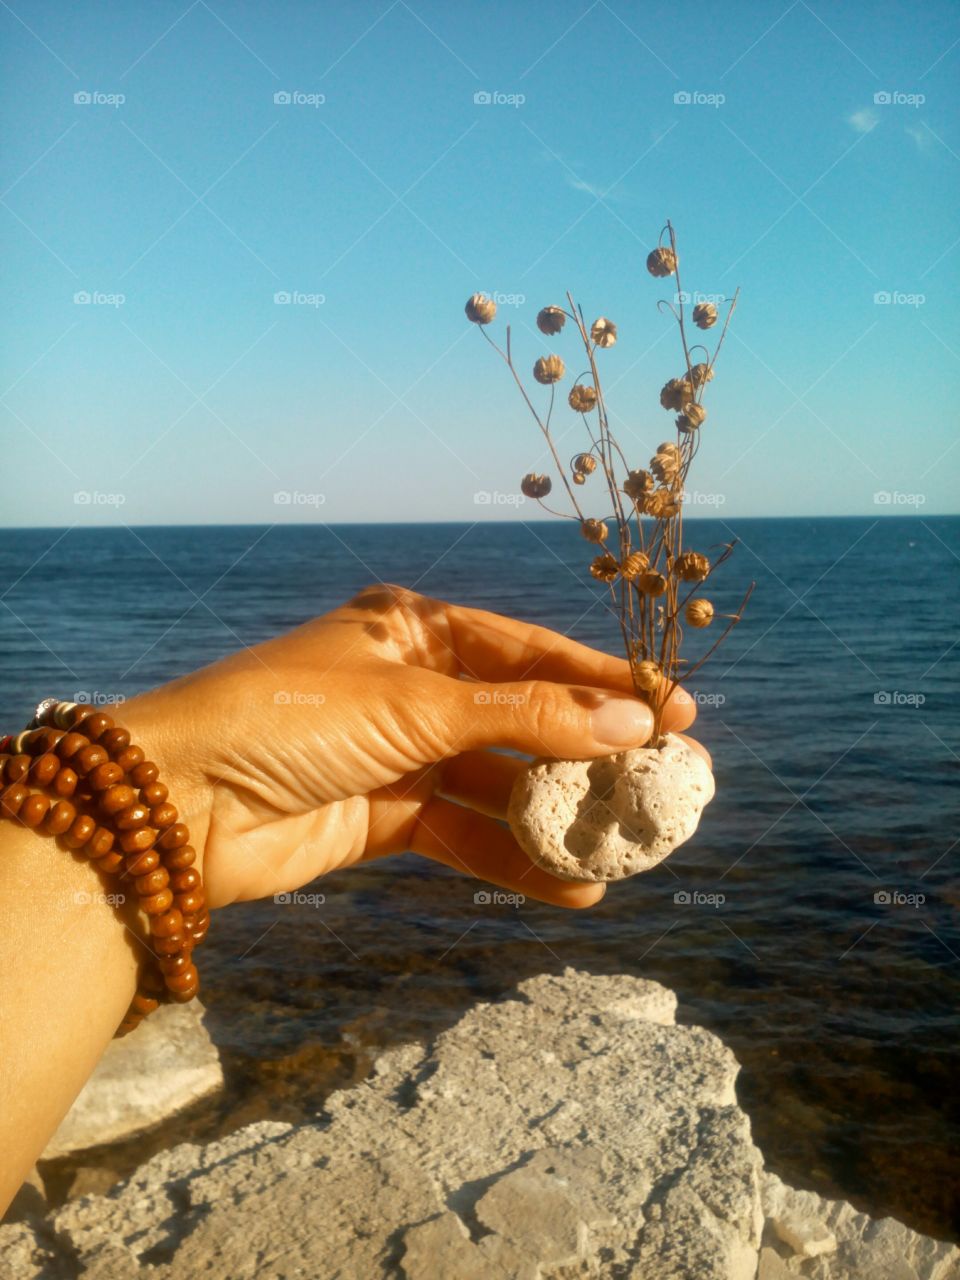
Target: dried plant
{"x":640,"y":554}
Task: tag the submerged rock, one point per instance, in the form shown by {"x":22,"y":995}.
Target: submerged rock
{"x":613,"y":817}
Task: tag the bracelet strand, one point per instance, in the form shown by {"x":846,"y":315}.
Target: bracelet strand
{"x":74,"y":774}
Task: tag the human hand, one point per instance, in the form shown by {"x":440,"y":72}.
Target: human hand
{"x":369,"y":731}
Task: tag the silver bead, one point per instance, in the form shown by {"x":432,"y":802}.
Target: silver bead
{"x":44,"y":712}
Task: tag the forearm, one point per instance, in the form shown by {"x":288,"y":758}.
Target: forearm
{"x":68,"y":969}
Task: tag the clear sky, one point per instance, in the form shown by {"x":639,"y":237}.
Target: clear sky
{"x":817,"y":166}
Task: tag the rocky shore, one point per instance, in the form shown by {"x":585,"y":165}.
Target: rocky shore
{"x":573,"y":1130}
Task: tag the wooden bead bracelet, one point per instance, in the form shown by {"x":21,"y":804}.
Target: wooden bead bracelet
{"x":75,"y":774}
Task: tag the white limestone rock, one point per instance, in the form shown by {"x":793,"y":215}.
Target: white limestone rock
{"x":613,"y":817}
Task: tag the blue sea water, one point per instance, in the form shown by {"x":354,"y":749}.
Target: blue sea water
{"x":811,"y":922}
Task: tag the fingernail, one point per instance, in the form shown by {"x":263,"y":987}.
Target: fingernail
{"x":622,"y":722}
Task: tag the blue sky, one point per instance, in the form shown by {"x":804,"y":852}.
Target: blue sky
{"x":382,"y":195}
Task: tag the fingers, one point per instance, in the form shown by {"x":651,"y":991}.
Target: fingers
{"x":680,"y":711}
{"x":482,"y":780}
{"x":479,"y":846}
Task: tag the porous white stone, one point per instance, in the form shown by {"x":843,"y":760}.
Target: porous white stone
{"x":612,"y":817}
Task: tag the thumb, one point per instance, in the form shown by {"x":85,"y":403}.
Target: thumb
{"x":541,"y":718}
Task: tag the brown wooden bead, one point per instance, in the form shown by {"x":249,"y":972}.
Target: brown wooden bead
{"x":80,"y":831}
{"x":60,"y":818}
{"x":50,"y":739}
{"x":141,"y":864}
{"x":174,"y":837}
{"x":191,"y":903}
{"x":78,"y":714}
{"x":170,"y":966}
{"x":163,"y":815}
{"x":157,"y":904}
{"x":151,"y":980}
{"x":18,"y":767}
{"x":65,"y":783}
{"x":153,"y":793}
{"x":12,"y":798}
{"x":198,"y":930}
{"x":104,"y":776}
{"x":144,"y":774}
{"x":185,"y":880}
{"x":143,"y":1004}
{"x":186,"y":978}
{"x":169,"y":946}
{"x":96,"y":725}
{"x":33,"y":742}
{"x":152,"y":882}
{"x":110,"y":863}
{"x":101,"y":843}
{"x":115,"y":740}
{"x":137,"y":841}
{"x":178,"y":859}
{"x":33,"y":810}
{"x":167,"y":925}
{"x":88,"y":757}
{"x":70,"y":744}
{"x":44,"y":769}
{"x":132,"y":818}
{"x":130,"y":758}
{"x":116,"y":798}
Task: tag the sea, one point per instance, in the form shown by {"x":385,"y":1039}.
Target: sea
{"x":811,"y":922}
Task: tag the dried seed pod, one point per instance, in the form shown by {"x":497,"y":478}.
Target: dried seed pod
{"x":582,"y":398}
{"x":692,"y":566}
{"x":584,"y":464}
{"x":652,"y":584}
{"x":579,"y":478}
{"x":675,"y":393}
{"x":699,"y":613}
{"x":647,"y":676}
{"x":480,"y":309}
{"x":605,"y":567}
{"x":638,"y":484}
{"x":635,"y":564}
{"x":693,"y":416}
{"x":661,"y":504}
{"x":603,"y":332}
{"x":549,"y":369}
{"x":704,"y":315}
{"x":665,"y":466}
{"x":551,"y":320}
{"x":701,"y":373}
{"x":662,"y":262}
{"x":535,"y":486}
{"x":594,"y":530}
